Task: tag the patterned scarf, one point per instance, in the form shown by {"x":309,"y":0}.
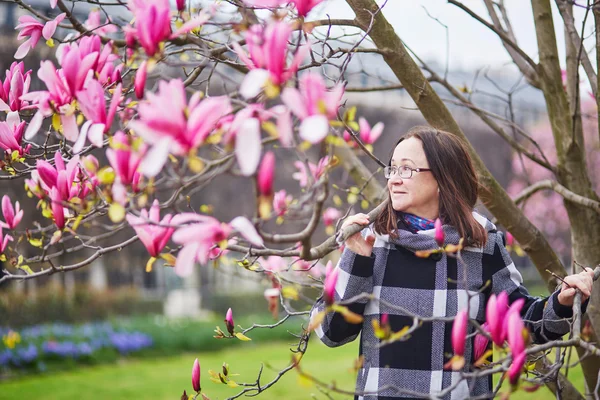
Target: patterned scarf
{"x":415,"y":223}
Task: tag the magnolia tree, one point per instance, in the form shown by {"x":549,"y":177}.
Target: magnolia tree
{"x":95,"y":104}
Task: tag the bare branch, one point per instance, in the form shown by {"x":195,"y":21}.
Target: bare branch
{"x":560,"y":189}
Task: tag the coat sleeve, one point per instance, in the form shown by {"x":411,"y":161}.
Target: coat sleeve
{"x":545,"y":317}
{"x":355,"y":277}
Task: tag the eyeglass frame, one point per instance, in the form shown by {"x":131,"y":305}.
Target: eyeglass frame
{"x":392,"y":167}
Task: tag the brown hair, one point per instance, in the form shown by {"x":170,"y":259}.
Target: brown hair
{"x":452,"y":168}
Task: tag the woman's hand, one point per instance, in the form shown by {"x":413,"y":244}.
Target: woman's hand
{"x":582,"y":281}
{"x":356,"y":242}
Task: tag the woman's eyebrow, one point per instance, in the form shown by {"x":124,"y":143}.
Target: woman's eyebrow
{"x":403,"y":159}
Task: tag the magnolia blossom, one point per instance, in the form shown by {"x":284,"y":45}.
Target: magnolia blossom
{"x":4,"y":239}
{"x":229,"y":321}
{"x":243,"y":132}
{"x":11,"y":134}
{"x":12,"y":215}
{"x":481,"y":342}
{"x":331,"y":277}
{"x":171,"y":125}
{"x":152,"y":231}
{"x":58,"y":212}
{"x":202,"y":233}
{"x":281,"y":202}
{"x":313,"y":105}
{"x":124,"y":160}
{"x":62,"y":87}
{"x":439,"y":232}
{"x":33,"y":30}
{"x":93,"y":23}
{"x":367,"y":134}
{"x":303,"y":6}
{"x":316,"y":171}
{"x":331,"y":215}
{"x":274,"y":264}
{"x":196,"y":375}
{"x":93,"y":107}
{"x":267,"y":61}
{"x":496,"y":309}
{"x":68,"y":180}
{"x":516,"y":342}
{"x":16,"y":84}
{"x":152,"y":23}
{"x":459,"y":332}
{"x":140,"y":79}
{"x":265,"y":176}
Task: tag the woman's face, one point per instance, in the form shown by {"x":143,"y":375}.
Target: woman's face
{"x":419,"y":194}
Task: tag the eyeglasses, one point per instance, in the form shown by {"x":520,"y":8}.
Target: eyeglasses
{"x":404,"y":171}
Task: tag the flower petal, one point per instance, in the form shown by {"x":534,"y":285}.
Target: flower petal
{"x":247,"y":230}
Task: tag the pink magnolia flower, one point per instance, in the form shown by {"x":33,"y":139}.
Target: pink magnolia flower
{"x":196,"y":376}
{"x":140,"y":80}
{"x":16,"y":83}
{"x":60,"y":176}
{"x":496,"y":309}
{"x":58,"y":211}
{"x":516,"y":342}
{"x":514,"y":372}
{"x":515,"y":308}
{"x":331,"y":276}
{"x":93,"y":106}
{"x":68,"y":180}
{"x":12,"y":215}
{"x":202,"y":233}
{"x":316,"y":171}
{"x":62,"y":87}
{"x":331,"y":215}
{"x":367,"y":134}
{"x":481,"y":342}
{"x":267,"y":61}
{"x":243,"y":132}
{"x":274,"y":264}
{"x":153,"y":232}
{"x":93,"y":23}
{"x":514,"y":334}
{"x":152,"y":23}
{"x":4,"y":239}
{"x":180,"y":5}
{"x":171,"y":126}
{"x":11,"y":134}
{"x":104,"y":68}
{"x":33,"y":30}
{"x":439,"y":232}
{"x":510,"y":239}
{"x":459,"y":332}
{"x":303,"y":6}
{"x":313,"y":105}
{"x":281,"y":201}
{"x":229,"y":321}
{"x":265,"y":175}
{"x":124,"y":160}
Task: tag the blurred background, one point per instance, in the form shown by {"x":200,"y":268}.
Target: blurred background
{"x":112,"y":330}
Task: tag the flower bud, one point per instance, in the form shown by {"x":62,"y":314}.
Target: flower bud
{"x":459,"y":333}
{"x":229,"y":321}
{"x":439,"y":232}
{"x":196,"y":376}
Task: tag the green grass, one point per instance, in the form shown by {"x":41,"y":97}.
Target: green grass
{"x":167,"y":377}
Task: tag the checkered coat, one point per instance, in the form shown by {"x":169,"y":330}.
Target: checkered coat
{"x":430,"y":288}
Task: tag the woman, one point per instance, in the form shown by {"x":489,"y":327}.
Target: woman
{"x":430,"y":176}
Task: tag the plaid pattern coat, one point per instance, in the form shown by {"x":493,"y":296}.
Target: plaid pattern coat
{"x":429,"y":288}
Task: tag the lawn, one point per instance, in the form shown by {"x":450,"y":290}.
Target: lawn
{"x":166,"y":377}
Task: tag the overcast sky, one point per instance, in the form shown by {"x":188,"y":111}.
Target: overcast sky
{"x":472,"y":45}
